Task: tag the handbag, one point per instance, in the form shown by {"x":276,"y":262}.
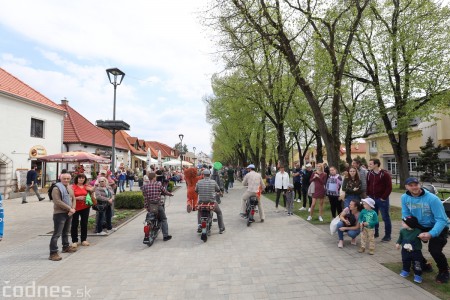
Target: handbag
{"x":88,"y":200}
{"x":341,"y":195}
{"x":100,"y":207}
{"x":311,"y":189}
{"x":333,"y":225}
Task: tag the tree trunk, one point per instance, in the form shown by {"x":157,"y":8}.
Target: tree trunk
{"x":282,"y":151}
{"x":402,"y":157}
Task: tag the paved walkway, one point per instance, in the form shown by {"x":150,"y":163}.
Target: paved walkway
{"x":284,"y":257}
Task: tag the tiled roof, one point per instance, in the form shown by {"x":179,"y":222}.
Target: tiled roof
{"x":165,"y":150}
{"x":77,"y":129}
{"x":124,"y":138}
{"x":356,"y":148}
{"x":153,"y":152}
{"x":15,"y":87}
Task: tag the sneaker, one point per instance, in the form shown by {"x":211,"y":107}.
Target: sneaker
{"x":371,"y":251}
{"x":427,"y":268}
{"x":262,"y":220}
{"x":188,"y":208}
{"x":302,"y":209}
{"x":43,"y":198}
{"x":309,"y":218}
{"x":376,"y":235}
{"x":404,"y":273}
{"x":353,"y":242}
{"x":74,"y":245}
{"x":242,"y":215}
{"x":320,"y":219}
{"x":386,"y":239}
{"x":85,"y":243}
{"x":25,"y":201}
{"x":442,"y":277}
{"x":221,"y":230}
{"x":298,"y":200}
{"x":101,"y":233}
{"x":146,"y":240}
{"x":341,"y":244}
{"x":54,"y":257}
{"x":112,"y":230}
{"x":199,"y":229}
{"x":309,"y":209}
{"x":417,"y":279}
{"x":361,"y":250}
{"x":166,"y":238}
{"x":69,"y":249}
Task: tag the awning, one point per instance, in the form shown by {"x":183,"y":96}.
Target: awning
{"x":144,"y":158}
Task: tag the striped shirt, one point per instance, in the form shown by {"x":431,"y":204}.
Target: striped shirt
{"x":206,"y":189}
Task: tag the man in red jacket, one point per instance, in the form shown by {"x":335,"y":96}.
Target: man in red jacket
{"x":379,"y":187}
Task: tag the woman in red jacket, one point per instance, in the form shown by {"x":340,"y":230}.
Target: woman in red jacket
{"x":81,"y":190}
{"x":319,"y":178}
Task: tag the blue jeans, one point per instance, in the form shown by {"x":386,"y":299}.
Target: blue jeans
{"x":349,"y":198}
{"x":106,"y":216}
{"x":383,"y":207}
{"x":122,"y":185}
{"x":351,"y":233}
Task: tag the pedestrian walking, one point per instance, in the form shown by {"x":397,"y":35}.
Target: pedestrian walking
{"x":31,"y":184}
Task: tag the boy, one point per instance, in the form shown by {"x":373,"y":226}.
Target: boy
{"x":290,"y":199}
{"x":368,"y":218}
{"x":411,"y":248}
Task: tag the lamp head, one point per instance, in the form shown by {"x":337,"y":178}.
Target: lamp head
{"x":181,"y":136}
{"x":116,"y":73}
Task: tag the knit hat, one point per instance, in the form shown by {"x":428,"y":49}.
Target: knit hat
{"x":369,"y":201}
{"x":412,"y":222}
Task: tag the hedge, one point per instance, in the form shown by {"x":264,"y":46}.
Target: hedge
{"x":131,"y":200}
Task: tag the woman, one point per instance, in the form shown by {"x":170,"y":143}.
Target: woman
{"x":122,"y":179}
{"x":319,"y":178}
{"x":349,"y":222}
{"x":351,"y":186}
{"x":334,"y":183}
{"x":105,"y":197}
{"x":81,"y":190}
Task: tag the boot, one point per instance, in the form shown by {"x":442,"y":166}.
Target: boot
{"x":54,"y":257}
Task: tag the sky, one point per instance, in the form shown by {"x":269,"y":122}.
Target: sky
{"x":62,"y":49}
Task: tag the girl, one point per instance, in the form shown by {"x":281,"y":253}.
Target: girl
{"x":319,"y":178}
{"x":352,"y":186}
{"x":334,"y":183}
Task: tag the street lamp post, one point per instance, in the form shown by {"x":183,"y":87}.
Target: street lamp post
{"x":181,"y":136}
{"x":193,"y":148}
{"x":115,"y":77}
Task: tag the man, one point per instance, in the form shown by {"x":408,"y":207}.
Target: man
{"x":281,"y":183}
{"x":379,"y":187}
{"x":152,"y":195}
{"x":306,"y":176}
{"x":362,"y":172}
{"x":64,"y":204}
{"x":297,"y":180}
{"x":207,"y":190}
{"x":230,"y":174}
{"x":31,"y":183}
{"x":430,"y":214}
{"x":254,"y":183}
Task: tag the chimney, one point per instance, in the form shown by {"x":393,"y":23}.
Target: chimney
{"x":65,"y":101}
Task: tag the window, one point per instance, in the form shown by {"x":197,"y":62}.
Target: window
{"x":373,"y":144}
{"x":392,"y":165}
{"x":37,"y":128}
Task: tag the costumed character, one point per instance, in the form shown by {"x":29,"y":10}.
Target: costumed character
{"x":191,"y":178}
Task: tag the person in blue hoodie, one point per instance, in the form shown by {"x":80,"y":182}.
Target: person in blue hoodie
{"x":430,"y":214}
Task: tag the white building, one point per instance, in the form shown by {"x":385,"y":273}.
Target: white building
{"x":31,"y":125}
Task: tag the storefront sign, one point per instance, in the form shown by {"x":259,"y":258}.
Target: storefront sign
{"x":37,"y":151}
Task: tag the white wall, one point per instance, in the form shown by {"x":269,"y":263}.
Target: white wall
{"x":15,"y":125}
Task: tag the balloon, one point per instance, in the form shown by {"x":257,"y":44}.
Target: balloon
{"x":217,"y":165}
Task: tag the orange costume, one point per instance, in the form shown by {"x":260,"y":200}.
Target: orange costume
{"x":191,"y":178}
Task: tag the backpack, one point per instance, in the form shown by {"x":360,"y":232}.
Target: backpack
{"x":50,"y":190}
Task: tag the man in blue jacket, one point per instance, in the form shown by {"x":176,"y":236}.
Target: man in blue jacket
{"x":430,"y":214}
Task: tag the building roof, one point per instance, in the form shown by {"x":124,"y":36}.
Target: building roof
{"x":15,"y":87}
{"x":124,"y":138}
{"x":356,"y":148}
{"x":77,"y":129}
{"x":166,"y":151}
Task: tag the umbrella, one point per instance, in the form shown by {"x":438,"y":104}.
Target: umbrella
{"x":175,"y":162}
{"x":148,"y":158}
{"x":159,"y":158}
{"x":129,"y":159}
{"x":74,"y":157}
{"x":217,"y":165}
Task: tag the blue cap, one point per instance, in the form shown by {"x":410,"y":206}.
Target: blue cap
{"x":411,"y":180}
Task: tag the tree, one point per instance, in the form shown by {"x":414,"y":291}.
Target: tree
{"x":429,"y":162}
{"x":179,"y":149}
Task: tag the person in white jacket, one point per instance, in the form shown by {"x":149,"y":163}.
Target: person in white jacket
{"x":281,"y":185}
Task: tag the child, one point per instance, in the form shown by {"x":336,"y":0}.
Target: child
{"x":411,"y":248}
{"x":290,"y":199}
{"x":368,"y":218}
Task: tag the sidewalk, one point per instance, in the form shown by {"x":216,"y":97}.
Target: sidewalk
{"x":284,"y":257}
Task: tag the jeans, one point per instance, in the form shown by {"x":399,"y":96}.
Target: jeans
{"x":305,"y":194}
{"x":122,"y":185}
{"x":383,"y":207}
{"x":277,"y":200}
{"x":131,"y":184}
{"x":163,"y":219}
{"x":35,"y":189}
{"x":84,"y":215}
{"x":297,"y":190}
{"x":351,"y":233}
{"x":61,"y":226}
{"x":349,"y":198}
{"x":105,"y":215}
{"x":218,"y":213}
{"x":244,"y":200}
{"x":414,"y":258}
{"x":230,"y":184}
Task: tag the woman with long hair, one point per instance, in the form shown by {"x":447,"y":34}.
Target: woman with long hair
{"x":352,"y":186}
{"x":349,"y":222}
{"x":81,"y":189}
{"x":319,"y":179}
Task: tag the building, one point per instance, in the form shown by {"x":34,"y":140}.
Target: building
{"x":31,"y":126}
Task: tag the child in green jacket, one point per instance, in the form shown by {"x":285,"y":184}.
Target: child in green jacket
{"x":368,"y":218}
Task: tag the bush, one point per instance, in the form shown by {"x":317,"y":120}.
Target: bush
{"x":130,"y":200}
{"x":170,"y":186}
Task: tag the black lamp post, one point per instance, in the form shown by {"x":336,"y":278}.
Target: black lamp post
{"x":181,"y":136}
{"x":115,"y":77}
{"x":193,"y":148}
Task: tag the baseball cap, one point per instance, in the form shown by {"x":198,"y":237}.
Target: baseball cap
{"x":206,"y":172}
{"x":369,"y":201}
{"x":251,"y":166}
{"x":411,"y":180}
{"x":308,"y":165}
